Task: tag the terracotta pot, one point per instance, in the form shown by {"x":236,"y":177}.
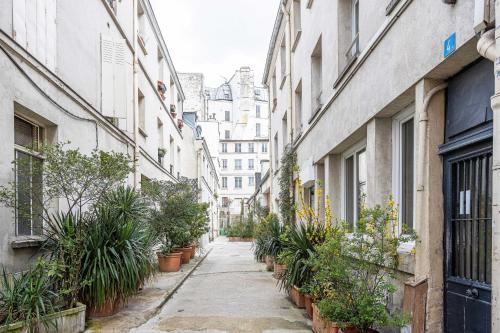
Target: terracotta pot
{"x":308,"y":305}
{"x":278,"y":270}
{"x":352,"y":329}
{"x":185,"y":254}
{"x":319,"y":325}
{"x":269,"y":263}
{"x":109,"y":308}
{"x":170,"y":262}
{"x":297,"y":297}
{"x":235,"y":239}
{"x":247,"y":239}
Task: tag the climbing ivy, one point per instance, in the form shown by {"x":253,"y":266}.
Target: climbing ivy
{"x":288,"y":166}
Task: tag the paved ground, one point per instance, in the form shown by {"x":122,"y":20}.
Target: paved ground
{"x":229,"y":292}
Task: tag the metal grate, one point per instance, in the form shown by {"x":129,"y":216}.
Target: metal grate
{"x":471,"y":218}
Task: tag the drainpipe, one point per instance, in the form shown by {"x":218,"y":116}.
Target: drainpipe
{"x":486,"y":46}
{"x":288,"y":37}
{"x":422,"y":135}
{"x":136,"y":95}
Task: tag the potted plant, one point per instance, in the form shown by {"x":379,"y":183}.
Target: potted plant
{"x":172,"y":110}
{"x":162,"y":89}
{"x":180,"y":123}
{"x":199,"y":224}
{"x":357,"y":271}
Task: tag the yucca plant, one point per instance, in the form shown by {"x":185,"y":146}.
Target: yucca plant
{"x":274,"y":243}
{"x":28,"y":297}
{"x":118,"y":250}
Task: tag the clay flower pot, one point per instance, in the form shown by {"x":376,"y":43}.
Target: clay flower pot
{"x":193,"y":251}
{"x":297,"y":297}
{"x":319,"y":324}
{"x":278,"y":270}
{"x":308,"y":304}
{"x":269,"y":263}
{"x":170,"y":262}
{"x":109,"y":308}
{"x":185,"y":254}
{"x":234,"y":239}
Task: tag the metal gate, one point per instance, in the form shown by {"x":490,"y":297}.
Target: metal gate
{"x":467,"y":193}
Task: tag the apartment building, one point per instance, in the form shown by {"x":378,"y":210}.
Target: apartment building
{"x":203,"y":165}
{"x":398,"y":97}
{"x":241,"y":109}
{"x":96,"y":73}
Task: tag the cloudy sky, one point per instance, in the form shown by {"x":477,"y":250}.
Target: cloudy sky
{"x":215,"y":37}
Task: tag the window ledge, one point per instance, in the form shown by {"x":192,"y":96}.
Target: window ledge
{"x":296,"y":40}
{"x":21,"y":242}
{"x":343,"y":73}
{"x":143,"y":132}
{"x":283,"y":79}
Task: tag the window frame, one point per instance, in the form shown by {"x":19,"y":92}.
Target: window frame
{"x":240,"y":182}
{"x":354,"y":152}
{"x":33,"y":154}
{"x":251,"y":166}
{"x":397,"y":162}
{"x":224,"y":147}
{"x":238,"y":164}
{"x":237,"y":148}
{"x":258,"y":130}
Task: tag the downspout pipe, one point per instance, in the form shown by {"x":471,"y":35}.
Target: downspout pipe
{"x":135,"y":84}
{"x":422,"y":134}
{"x":486,"y":45}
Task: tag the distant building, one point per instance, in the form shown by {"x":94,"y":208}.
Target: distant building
{"x":241,"y":109}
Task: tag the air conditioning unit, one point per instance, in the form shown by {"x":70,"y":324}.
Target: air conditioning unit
{"x":484,"y":14}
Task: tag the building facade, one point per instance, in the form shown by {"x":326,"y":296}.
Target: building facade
{"x":97,"y":74}
{"x":393,"y":99}
{"x":241,"y":109}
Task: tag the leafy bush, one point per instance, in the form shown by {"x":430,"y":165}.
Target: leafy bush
{"x":28,"y":297}
{"x":118,"y":250}
{"x":355,"y":271}
{"x":274,"y":244}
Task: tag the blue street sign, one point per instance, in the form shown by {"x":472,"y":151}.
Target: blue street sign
{"x":450,"y":45}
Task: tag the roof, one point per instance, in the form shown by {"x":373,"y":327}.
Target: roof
{"x":222,"y":92}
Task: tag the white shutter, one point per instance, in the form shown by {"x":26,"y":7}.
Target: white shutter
{"x":41,"y":31}
{"x":51,"y":44}
{"x":107,"y":76}
{"x":19,"y":21}
{"x":31,"y":34}
{"x":120,"y":79}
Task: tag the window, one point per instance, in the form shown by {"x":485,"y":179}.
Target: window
{"x":237,"y":147}
{"x":404,"y":168}
{"x":264,"y":147}
{"x":283,"y":61}
{"x":224,"y":147}
{"x":224,"y":164}
{"x":227,"y":134}
{"x":251,"y":148}
{"x":161,"y":148}
{"x":225,"y":202}
{"x":227,"y":116}
{"x":297,"y":20}
{"x":251,"y":181}
{"x":257,"y":130}
{"x":355,"y":177}
{"x":276,"y":152}
{"x":237,"y":164}
{"x":257,"y":111}
{"x":348,"y":38}
{"x":237,"y":182}
{"x":28,"y":177}
{"x":284,"y":130}
{"x":354,"y":49}
{"x":224,"y":182}
{"x":178,"y":161}
{"x":298,"y":109}
{"x":251,"y":164}
{"x":172,"y":153}
{"x":142,"y":113}
{"x":274,"y":89}
{"x":316,"y":78}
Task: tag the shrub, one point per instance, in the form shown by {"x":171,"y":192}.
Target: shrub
{"x":28,"y":297}
{"x":355,"y":271}
{"x":118,"y":250}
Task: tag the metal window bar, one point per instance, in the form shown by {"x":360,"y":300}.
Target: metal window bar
{"x":353,"y":50}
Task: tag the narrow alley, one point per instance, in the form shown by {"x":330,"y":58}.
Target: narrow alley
{"x":229,"y":292}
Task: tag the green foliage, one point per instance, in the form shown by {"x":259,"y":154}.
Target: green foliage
{"x":288,"y":166}
{"x":274,"y":243}
{"x":28,"y":297}
{"x":176,"y":216}
{"x":80,"y":180}
{"x":118,"y":249}
{"x":354,"y":272}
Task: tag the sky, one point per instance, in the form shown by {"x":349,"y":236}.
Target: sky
{"x":216,"y":37}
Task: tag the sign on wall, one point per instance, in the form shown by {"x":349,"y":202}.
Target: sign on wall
{"x":450,"y":45}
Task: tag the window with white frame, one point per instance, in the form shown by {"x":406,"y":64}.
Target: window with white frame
{"x":224,"y":164}
{"x":224,"y":147}
{"x":257,"y":130}
{"x":237,"y":147}
{"x":227,"y":134}
{"x":237,"y":164}
{"x":264,"y":147}
{"x":251,"y":181}
{"x":251,"y":165}
{"x":354,"y":180}
{"x":404,"y":168}
{"x":227,"y":116}
{"x":251,"y":148}
{"x":224,"y":182}
{"x":28,"y":176}
{"x":257,"y":111}
{"x":237,"y":182}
